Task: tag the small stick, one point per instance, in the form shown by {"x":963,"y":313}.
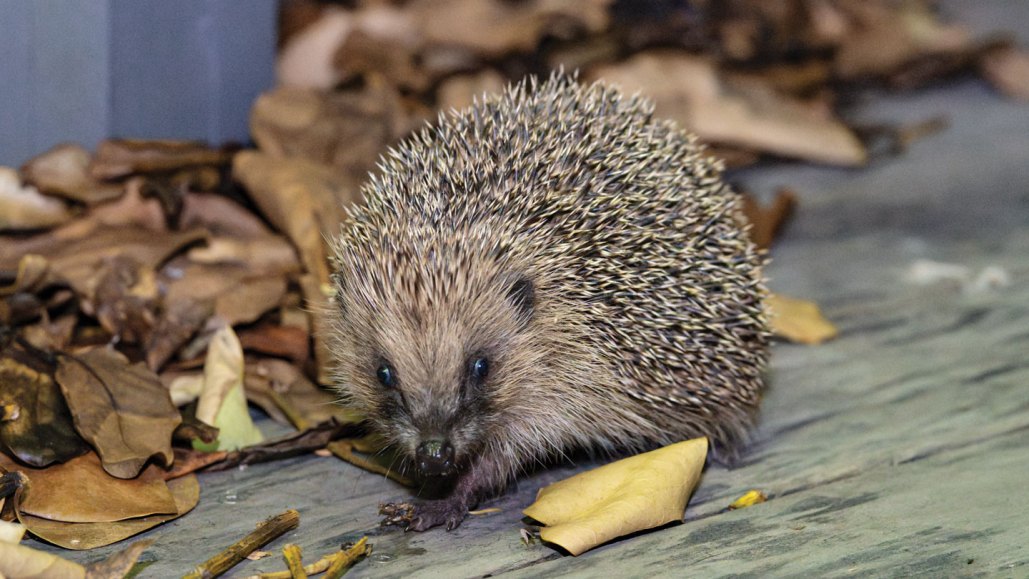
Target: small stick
{"x":265,"y":532}
{"x":344,"y":449}
{"x":294,"y":561}
{"x":347,"y":558}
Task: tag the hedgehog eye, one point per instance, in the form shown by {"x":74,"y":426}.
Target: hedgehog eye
{"x":479,"y":369}
{"x":387,"y":375}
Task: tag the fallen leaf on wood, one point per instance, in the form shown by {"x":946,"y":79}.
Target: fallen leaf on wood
{"x":748,"y":499}
{"x":120,"y":157}
{"x":1008,"y":71}
{"x":633,"y":494}
{"x":80,"y":536}
{"x":223,"y":402}
{"x":64,"y":171}
{"x":133,"y":208}
{"x":250,"y":299}
{"x":79,"y":491}
{"x":188,"y":461}
{"x":18,"y":561}
{"x":123,"y":410}
{"x":798,"y":320}
{"x":23,"y":207}
{"x":737,"y":111}
{"x":42,"y":432}
{"x":262,"y":255}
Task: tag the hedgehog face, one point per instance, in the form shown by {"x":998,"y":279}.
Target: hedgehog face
{"x":429,"y":372}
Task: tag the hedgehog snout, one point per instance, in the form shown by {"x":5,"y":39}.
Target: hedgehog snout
{"x":435,"y":457}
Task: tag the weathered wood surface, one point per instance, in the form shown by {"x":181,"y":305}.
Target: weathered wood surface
{"x":901,"y":448}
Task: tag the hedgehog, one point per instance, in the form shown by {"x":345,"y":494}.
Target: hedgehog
{"x":551,"y":270}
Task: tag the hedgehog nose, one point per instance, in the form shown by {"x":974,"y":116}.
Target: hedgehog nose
{"x":434,"y":457}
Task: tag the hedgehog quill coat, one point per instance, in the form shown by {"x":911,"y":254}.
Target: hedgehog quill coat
{"x":548,"y":270}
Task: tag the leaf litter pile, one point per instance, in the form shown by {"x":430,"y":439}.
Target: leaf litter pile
{"x":152,"y":291}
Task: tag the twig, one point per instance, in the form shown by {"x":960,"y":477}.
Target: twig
{"x":347,"y":558}
{"x":344,"y":449}
{"x":313,"y":569}
{"x":294,"y":561}
{"x":265,"y":532}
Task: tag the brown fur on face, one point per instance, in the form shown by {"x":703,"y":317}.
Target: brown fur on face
{"x":591,"y":253}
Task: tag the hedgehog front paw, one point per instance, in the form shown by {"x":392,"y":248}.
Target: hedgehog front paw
{"x":428,"y":514}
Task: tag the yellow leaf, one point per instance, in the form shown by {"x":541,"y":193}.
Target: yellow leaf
{"x":223,"y":402}
{"x":636,"y":493}
{"x":798,"y":320}
{"x":749,"y":499}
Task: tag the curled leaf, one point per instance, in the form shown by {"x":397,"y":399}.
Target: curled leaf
{"x":223,"y":402}
{"x":636,"y":493}
{"x":748,"y":499}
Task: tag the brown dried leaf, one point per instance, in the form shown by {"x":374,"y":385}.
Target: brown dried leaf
{"x":23,"y":207}
{"x":278,"y":340}
{"x":32,"y":275}
{"x":334,"y":140}
{"x":64,"y":171}
{"x":76,"y":251}
{"x":123,"y":410}
{"x":250,"y":300}
{"x":1008,"y":71}
{"x":124,"y":297}
{"x":80,"y":491}
{"x":41,"y":432}
{"x":179,"y":321}
{"x":185,"y":490}
{"x":297,"y":197}
{"x":738,"y":111}
{"x":121,"y":157}
{"x":766,"y":222}
{"x":269,"y":379}
{"x":223,"y":217}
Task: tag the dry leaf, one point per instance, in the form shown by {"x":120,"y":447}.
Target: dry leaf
{"x":79,"y":536}
{"x":79,"y":491}
{"x":64,"y":171}
{"x":123,"y":410}
{"x":766,"y":222}
{"x":270,"y":380}
{"x":1008,"y":71}
{"x":223,"y":402}
{"x":633,"y":494}
{"x":32,"y":275}
{"x":120,"y":157}
{"x":740,"y":111}
{"x":798,"y":320}
{"x":42,"y":432}
{"x":19,"y":562}
{"x":24,"y":207}
{"x":748,"y":499}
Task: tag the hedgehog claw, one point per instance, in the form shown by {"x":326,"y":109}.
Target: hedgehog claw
{"x":447,"y":512}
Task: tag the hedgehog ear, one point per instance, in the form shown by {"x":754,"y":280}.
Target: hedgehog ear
{"x":522,"y":295}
